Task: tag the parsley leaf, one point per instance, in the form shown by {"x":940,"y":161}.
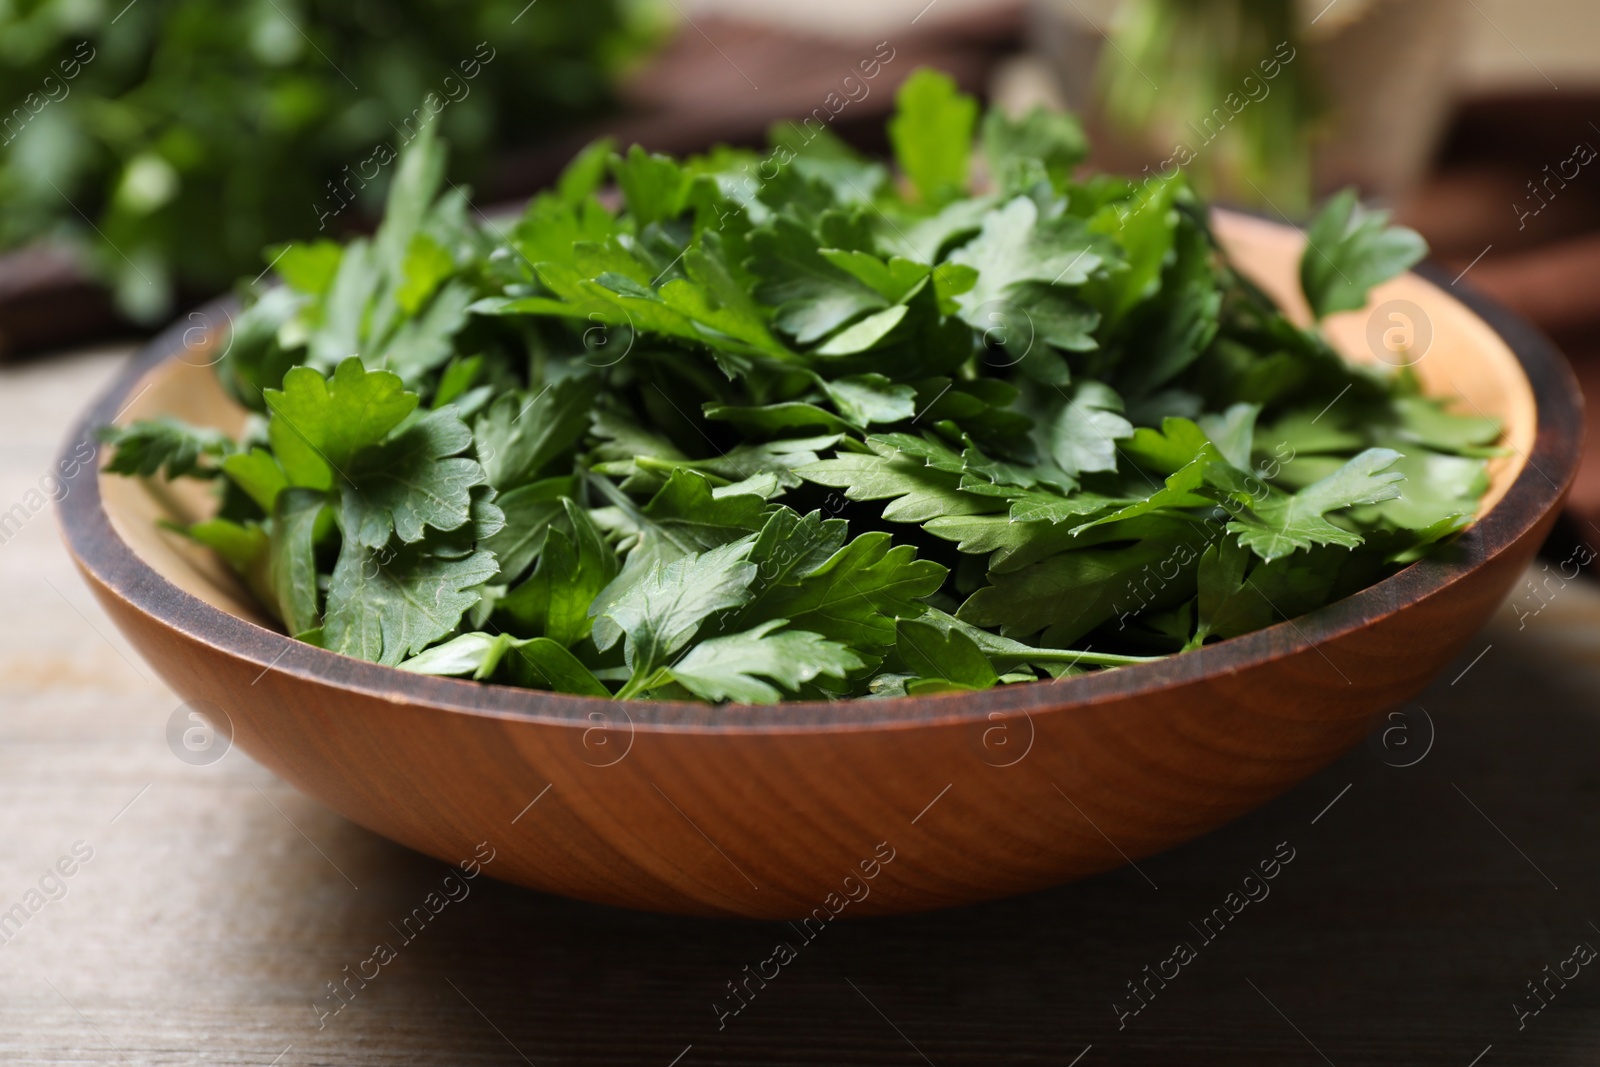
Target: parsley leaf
{"x":554,"y":601}
{"x":1053,"y":138}
{"x":385,"y":605}
{"x":1082,"y":435}
{"x":852,"y":596}
{"x":915,"y":493}
{"x":529,"y":510}
{"x":1350,"y":249}
{"x":653,"y":185}
{"x":259,"y":474}
{"x":731,"y":668}
{"x":946,"y":655}
{"x":247,"y":549}
{"x":932,"y":134}
{"x":1016,"y":246}
{"x":414,"y":481}
{"x":872,"y":399}
{"x":1068,"y":594}
{"x":520,"y":436}
{"x":661,"y":611}
{"x":166,"y":445}
{"x":688,"y":515}
{"x":812,"y":296}
{"x":537,"y":662}
{"x":318,"y":424}
{"x":1284,"y":522}
{"x":295,"y":519}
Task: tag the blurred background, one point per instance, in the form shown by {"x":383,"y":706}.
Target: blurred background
{"x":152,"y":152}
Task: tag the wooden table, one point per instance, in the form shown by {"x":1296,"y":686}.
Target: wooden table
{"x":218,"y":903}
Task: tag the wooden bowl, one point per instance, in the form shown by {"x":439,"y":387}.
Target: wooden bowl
{"x":859,"y":808}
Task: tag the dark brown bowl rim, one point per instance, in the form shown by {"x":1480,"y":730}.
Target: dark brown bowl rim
{"x":1545,"y":476}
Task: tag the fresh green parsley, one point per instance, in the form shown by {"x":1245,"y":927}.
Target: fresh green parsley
{"x":690,"y":430}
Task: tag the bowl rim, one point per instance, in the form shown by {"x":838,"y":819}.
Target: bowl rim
{"x":1547,"y":473}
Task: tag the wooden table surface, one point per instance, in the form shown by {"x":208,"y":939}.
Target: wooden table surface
{"x":216,"y":903}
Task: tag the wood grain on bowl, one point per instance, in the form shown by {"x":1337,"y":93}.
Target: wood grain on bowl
{"x":857,"y":808}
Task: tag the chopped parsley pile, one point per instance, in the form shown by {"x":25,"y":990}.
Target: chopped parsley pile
{"x":799,"y":424}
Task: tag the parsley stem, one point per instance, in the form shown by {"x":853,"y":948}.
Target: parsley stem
{"x":640,"y":682}
{"x":667,"y":466}
{"x":618,"y":498}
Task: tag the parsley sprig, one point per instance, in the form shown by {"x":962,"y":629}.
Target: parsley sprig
{"x":796,"y":425}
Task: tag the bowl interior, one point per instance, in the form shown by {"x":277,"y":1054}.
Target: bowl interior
{"x":1466,"y":360}
{"x":1458,"y":356}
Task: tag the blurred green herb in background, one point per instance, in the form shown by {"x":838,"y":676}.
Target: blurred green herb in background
{"x":1224,"y":85}
{"x":171,"y":140}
